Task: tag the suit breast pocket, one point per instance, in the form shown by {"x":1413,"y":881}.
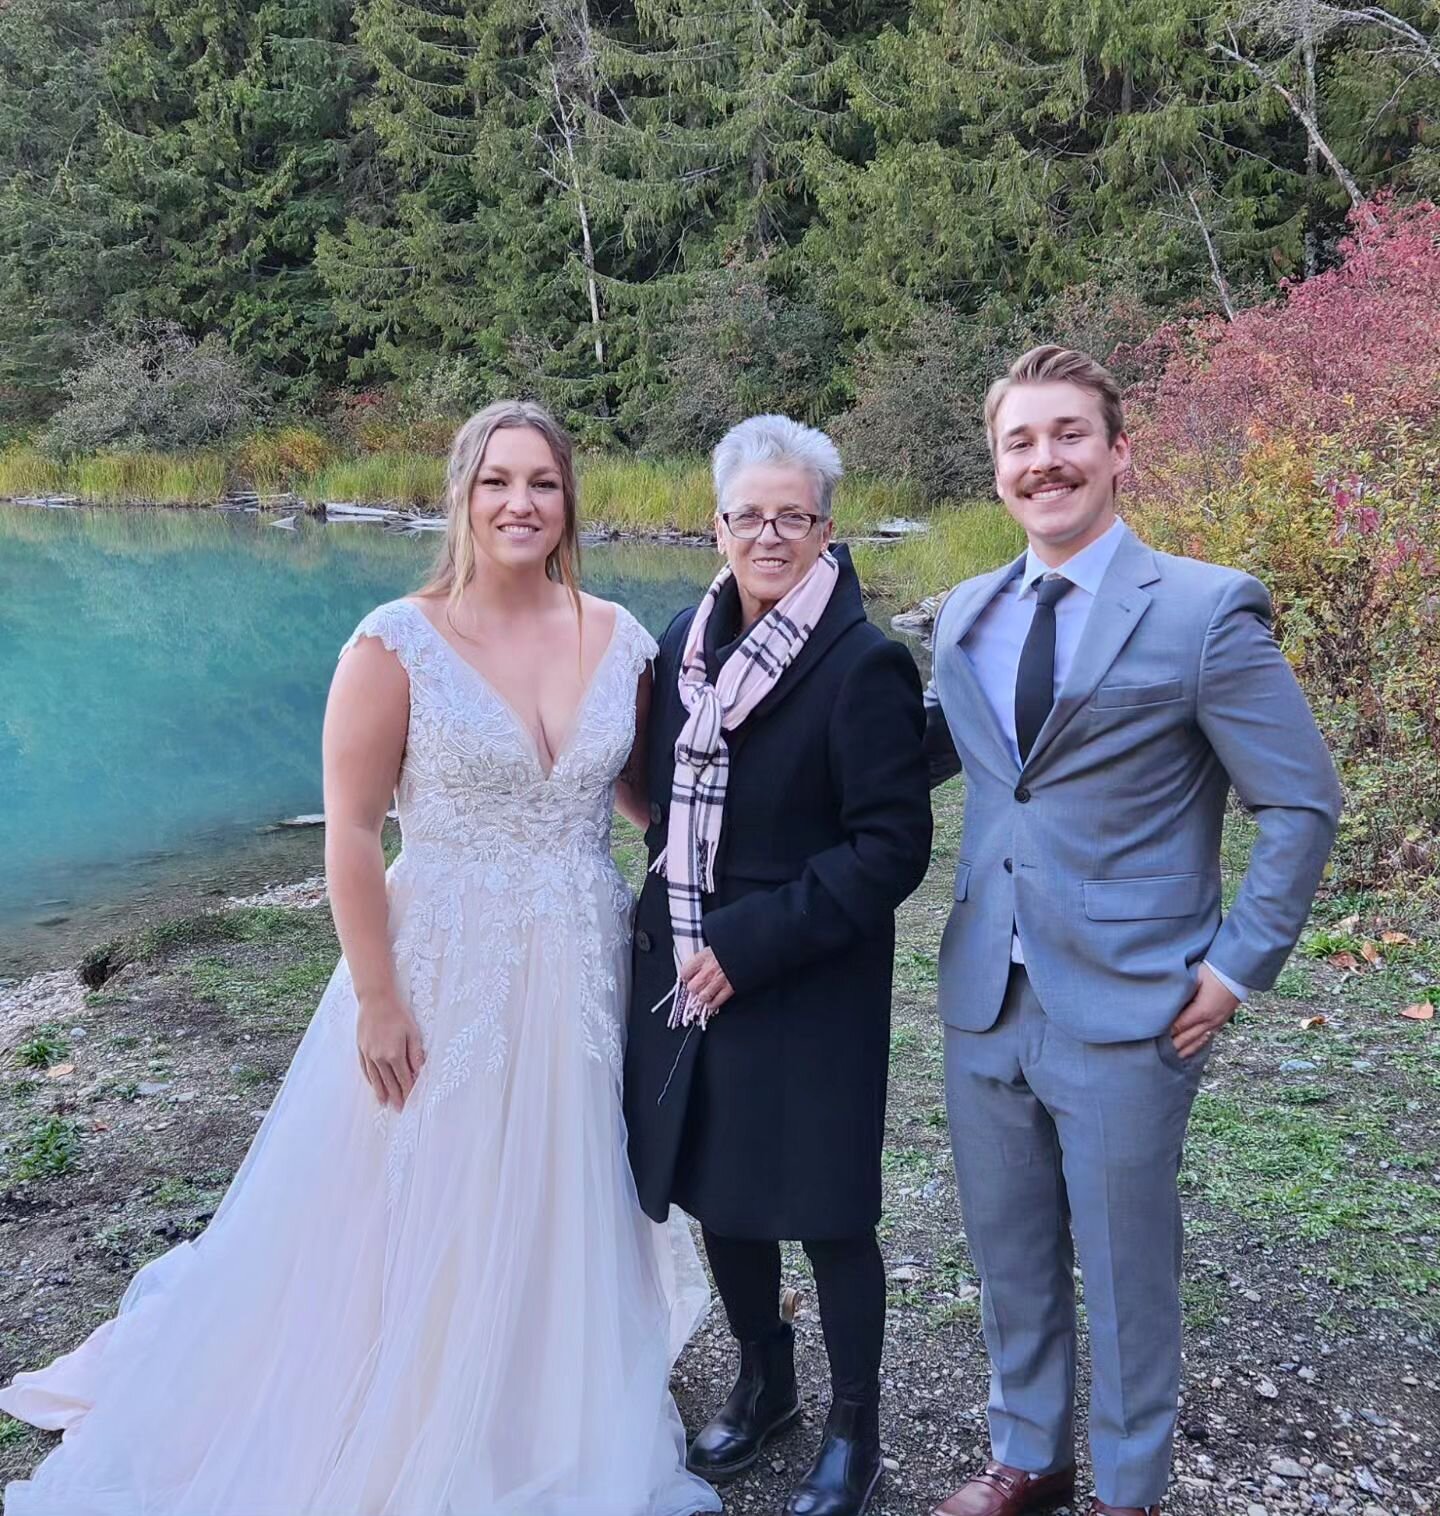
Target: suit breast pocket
{"x":1111,"y":697}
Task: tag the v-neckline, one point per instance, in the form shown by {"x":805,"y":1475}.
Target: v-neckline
{"x":572,"y":730}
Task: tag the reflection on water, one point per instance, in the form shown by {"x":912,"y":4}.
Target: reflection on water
{"x":162,"y":681}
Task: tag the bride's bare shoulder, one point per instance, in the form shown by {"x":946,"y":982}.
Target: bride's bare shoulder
{"x":607,"y":612}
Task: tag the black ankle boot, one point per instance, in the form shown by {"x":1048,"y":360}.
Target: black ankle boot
{"x":763,"y":1403}
{"x":847,"y":1468}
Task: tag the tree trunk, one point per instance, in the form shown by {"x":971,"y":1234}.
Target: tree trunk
{"x":1307,"y":120}
{"x":1217,"y":274}
{"x":1312,"y":159}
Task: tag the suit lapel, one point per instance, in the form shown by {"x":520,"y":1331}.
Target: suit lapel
{"x":957,"y":624}
{"x":1117,"y":611}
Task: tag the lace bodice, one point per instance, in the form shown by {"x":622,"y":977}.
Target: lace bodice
{"x":503,"y":865}
{"x":472,"y":788}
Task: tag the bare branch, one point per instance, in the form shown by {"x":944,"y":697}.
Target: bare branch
{"x":1306,"y":118}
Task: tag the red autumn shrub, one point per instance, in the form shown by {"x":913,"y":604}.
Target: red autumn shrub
{"x":1301,"y":442}
{"x":1348,"y":354}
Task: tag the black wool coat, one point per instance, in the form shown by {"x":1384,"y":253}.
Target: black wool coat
{"x":769,"y":1123}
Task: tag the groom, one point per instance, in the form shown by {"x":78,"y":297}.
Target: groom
{"x":1103,"y":699}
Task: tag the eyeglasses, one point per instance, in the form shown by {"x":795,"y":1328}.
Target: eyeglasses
{"x":791,"y":526}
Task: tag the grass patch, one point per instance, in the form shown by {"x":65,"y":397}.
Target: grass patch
{"x":286,"y":995}
{"x":1336,"y":1181}
{"x":1293,"y":984}
{"x":641,"y":495}
{"x":26,"y":471}
{"x":175,"y":1193}
{"x":963,"y":540}
{"x":411,"y":480}
{"x":1204,"y":1299}
{"x":149,"y":478}
{"x":627,"y":847}
{"x":916,"y":971}
{"x":249,"y":924}
{"x":45,"y":1049}
{"x":46,"y":1149}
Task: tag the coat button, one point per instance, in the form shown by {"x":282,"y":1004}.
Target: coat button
{"x":642,"y":941}
{"x":1022,"y":795}
{"x":657,"y":813}
{"x":1009,"y":866}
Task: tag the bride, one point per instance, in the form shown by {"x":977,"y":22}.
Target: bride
{"x":430,"y":1290}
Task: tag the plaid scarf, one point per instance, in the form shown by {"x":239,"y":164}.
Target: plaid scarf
{"x":702,"y":760}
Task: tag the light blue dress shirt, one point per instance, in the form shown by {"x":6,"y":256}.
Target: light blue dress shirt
{"x":993,"y":645}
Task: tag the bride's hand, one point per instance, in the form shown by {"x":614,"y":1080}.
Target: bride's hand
{"x":391,"y":1053}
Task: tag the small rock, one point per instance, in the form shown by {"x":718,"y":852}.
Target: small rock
{"x":1287,"y":1468}
{"x":1367,"y":1481}
{"x":907,"y":1273}
{"x":1267,"y":1389}
{"x":892,"y":1465}
{"x":1298,"y":1066}
{"x":152,"y":1087}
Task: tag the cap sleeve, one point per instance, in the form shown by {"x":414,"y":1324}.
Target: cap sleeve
{"x":393,"y":625}
{"x":639,"y":646}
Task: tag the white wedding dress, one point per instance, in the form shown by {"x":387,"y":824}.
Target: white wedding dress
{"x":458,"y":1310}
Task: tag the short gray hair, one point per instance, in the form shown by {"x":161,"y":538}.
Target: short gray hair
{"x":778,"y":439}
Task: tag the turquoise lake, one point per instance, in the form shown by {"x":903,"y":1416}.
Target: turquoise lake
{"x":162,"y":682}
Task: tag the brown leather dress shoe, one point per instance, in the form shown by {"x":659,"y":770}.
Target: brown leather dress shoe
{"x":1099,"y":1508}
{"x":999,"y":1490}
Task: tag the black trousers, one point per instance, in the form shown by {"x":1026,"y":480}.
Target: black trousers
{"x":850,"y":1280}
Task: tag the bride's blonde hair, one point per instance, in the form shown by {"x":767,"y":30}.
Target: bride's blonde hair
{"x":455,"y":565}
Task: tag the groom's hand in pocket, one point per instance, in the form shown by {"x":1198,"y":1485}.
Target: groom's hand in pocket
{"x":391,"y":1052}
{"x":705,"y":979}
{"x":1209,"y":1008}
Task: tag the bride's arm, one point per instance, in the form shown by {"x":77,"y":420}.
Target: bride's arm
{"x":632,"y":791}
{"x":365,"y":726}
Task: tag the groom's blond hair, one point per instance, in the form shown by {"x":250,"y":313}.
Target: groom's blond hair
{"x":1052,"y":364}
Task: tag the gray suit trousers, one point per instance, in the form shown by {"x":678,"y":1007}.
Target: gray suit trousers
{"x":1053,"y":1135}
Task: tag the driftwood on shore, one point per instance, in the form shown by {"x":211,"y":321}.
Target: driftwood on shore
{"x":317,"y":818}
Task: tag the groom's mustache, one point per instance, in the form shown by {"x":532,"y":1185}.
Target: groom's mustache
{"x":1051,"y":480}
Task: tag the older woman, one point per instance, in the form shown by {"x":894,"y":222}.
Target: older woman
{"x":789,"y":817}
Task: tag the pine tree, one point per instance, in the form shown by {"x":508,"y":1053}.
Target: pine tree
{"x":228,"y":136}
{"x":1023,"y":147}
{"x":63,"y":246}
{"x":484,"y":242}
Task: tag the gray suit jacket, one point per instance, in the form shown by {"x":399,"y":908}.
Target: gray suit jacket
{"x":1104,"y":849}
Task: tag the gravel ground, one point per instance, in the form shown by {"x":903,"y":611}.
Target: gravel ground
{"x":1312,"y":1378}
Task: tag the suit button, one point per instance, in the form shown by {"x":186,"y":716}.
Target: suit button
{"x":657,"y":813}
{"x":1022,"y":795}
{"x":642,"y":941}
{"x":1009,"y":866}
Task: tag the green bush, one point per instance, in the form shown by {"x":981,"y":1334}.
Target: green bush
{"x":151,"y":386}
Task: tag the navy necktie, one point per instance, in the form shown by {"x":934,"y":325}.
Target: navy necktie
{"x":1035,"y":678}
